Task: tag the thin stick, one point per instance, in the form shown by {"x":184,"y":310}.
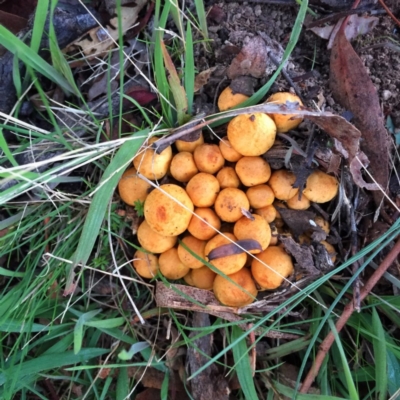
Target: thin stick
{"x":347,"y":312}
{"x":389,"y":12}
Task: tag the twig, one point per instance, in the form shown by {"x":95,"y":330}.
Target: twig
{"x":347,"y":312}
{"x":389,"y":12}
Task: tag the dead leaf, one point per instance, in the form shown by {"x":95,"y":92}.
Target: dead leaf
{"x":234,"y":248}
{"x":202,"y":78}
{"x":252,"y":60}
{"x":12,"y":22}
{"x":99,"y":40}
{"x":356,"y":25}
{"x":352,"y":87}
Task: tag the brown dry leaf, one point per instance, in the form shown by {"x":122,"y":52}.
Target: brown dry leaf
{"x":234,"y":248}
{"x":202,"y":78}
{"x":99,"y":40}
{"x":356,"y":25}
{"x":347,"y":142}
{"x":252,"y":60}
{"x":352,"y":87}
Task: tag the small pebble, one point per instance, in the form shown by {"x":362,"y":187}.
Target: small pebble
{"x":257,"y":10}
{"x":386,"y":94}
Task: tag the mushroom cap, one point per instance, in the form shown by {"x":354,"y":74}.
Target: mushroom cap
{"x":171,"y":266}
{"x":152,"y":241}
{"x":230,"y":204}
{"x":321,"y":187}
{"x":253,"y":171}
{"x":208,"y":158}
{"x":323,"y":224}
{"x":251,"y":134}
{"x":183,"y":168}
{"x":232,"y":295}
{"x":168,"y":210}
{"x":197,"y":246}
{"x":199,"y":229}
{"x":228,"y":99}
{"x":203,"y":278}
{"x":182,"y":145}
{"x":260,"y":196}
{"x":227,"y":177}
{"x":152,"y":165}
{"x":227,"y":151}
{"x":257,"y":229}
{"x":295,"y":204}
{"x":145,"y":264}
{"x":283,"y":122}
{"x":132,"y":188}
{"x":229,"y":264}
{"x":280,"y":263}
{"x":203,"y":189}
{"x":267,"y":212}
{"x":281,"y":182}
{"x":330,"y":249}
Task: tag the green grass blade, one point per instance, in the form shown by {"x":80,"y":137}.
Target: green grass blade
{"x":393,"y":368}
{"x":242,"y":362}
{"x":32,"y":59}
{"x":122,"y":384}
{"x":290,"y":393}
{"x":78,"y":330}
{"x":189,"y":69}
{"x":39,"y":24}
{"x":6,"y":149}
{"x":101,"y":199}
{"x":380,"y":350}
{"x":165,"y":386}
{"x":135,"y":348}
{"x":201,"y":15}
{"x":48,"y":362}
{"x":353,"y":395}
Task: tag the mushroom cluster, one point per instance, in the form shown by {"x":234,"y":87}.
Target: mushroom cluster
{"x":212,"y":225}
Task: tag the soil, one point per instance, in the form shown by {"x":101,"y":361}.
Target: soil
{"x":244,"y":20}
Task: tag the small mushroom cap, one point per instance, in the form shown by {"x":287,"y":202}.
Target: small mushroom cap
{"x":284,"y":122}
{"x":230,"y":204}
{"x":188,"y":278}
{"x":197,"y":247}
{"x":199,"y":228}
{"x":168,"y":210}
{"x":228,"y":99}
{"x":267,"y":212}
{"x":227,"y":177}
{"x":257,"y":229}
{"x":203,"y":278}
{"x":182,"y":145}
{"x":229,"y":264}
{"x":153,"y":241}
{"x":208,"y":158}
{"x":253,"y":171}
{"x":227,"y":151}
{"x":330,"y":249}
{"x":233,"y":295}
{"x":251,"y":134}
{"x":132,"y":188}
{"x":295,"y":204}
{"x":145,"y":264}
{"x":171,"y":266}
{"x":324,"y":225}
{"x":152,"y":165}
{"x":281,"y":182}
{"x":321,"y":187}
{"x":183,"y":168}
{"x":280,"y":266}
{"x":203,"y":189}
{"x":260,"y":196}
